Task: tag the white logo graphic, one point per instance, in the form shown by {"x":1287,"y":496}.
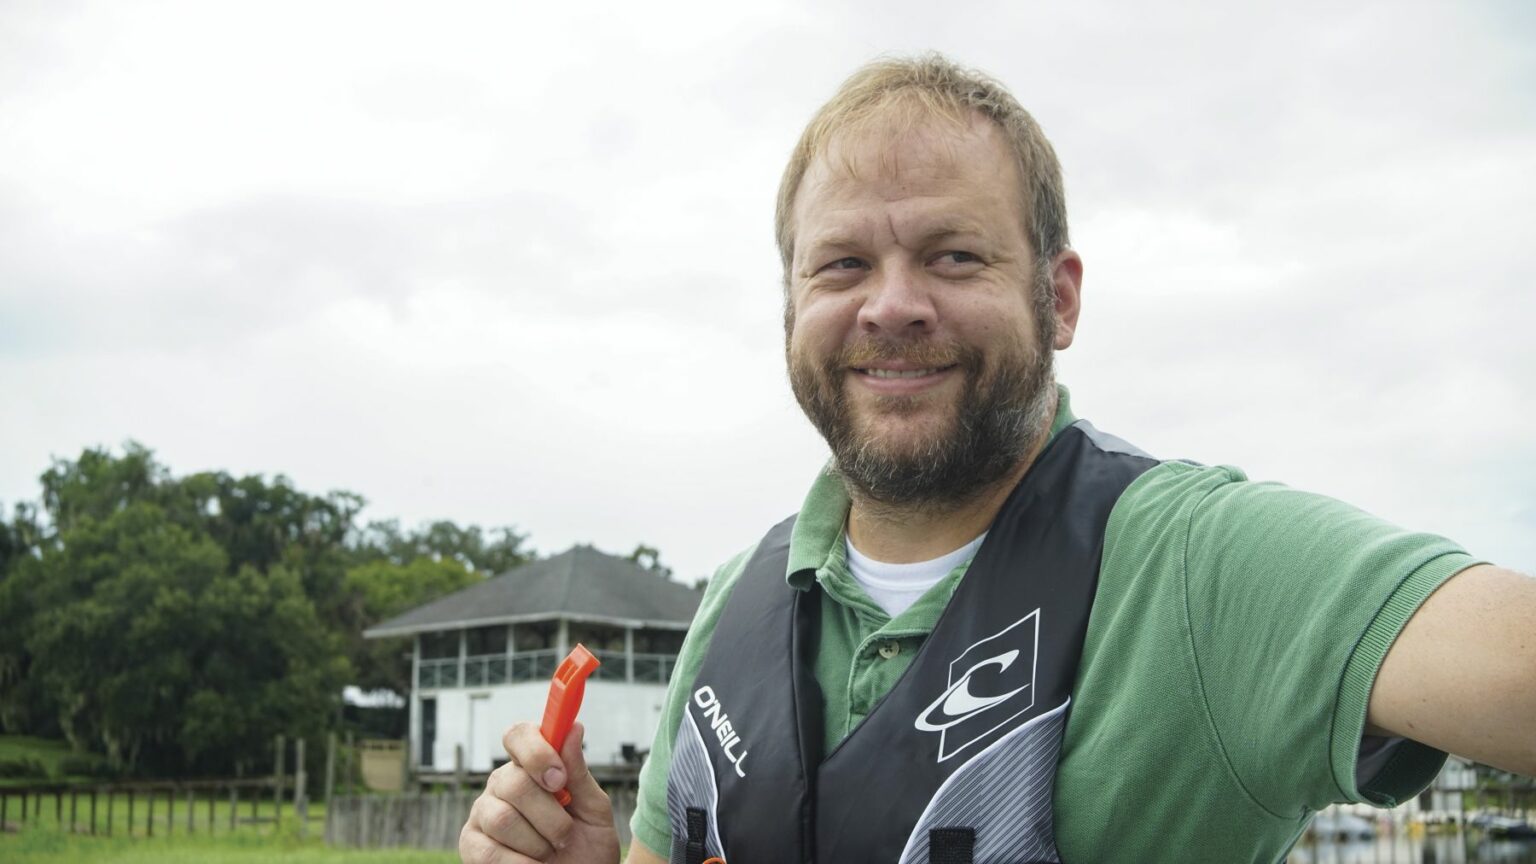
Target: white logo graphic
{"x":720,"y":723}
{"x":962,"y":716}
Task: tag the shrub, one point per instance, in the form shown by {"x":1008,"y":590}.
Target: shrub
{"x":84,"y":765}
{"x":23,"y":768}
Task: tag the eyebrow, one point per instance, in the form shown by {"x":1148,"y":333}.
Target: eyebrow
{"x":944,"y":227}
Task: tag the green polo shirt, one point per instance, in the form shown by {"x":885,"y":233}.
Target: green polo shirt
{"x":1221,"y":698}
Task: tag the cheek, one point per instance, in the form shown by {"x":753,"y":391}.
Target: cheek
{"x":822,"y":324}
{"x":990,"y":323}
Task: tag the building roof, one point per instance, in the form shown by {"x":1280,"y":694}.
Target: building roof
{"x":580,"y":583}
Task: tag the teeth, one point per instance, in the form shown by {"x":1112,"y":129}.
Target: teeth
{"x":899,"y":373}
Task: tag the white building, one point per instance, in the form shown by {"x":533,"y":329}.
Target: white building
{"x":483,"y":656}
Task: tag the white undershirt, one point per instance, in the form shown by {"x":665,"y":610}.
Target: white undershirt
{"x":894,"y":587}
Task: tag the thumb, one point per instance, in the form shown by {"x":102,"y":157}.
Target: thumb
{"x":589,"y":803}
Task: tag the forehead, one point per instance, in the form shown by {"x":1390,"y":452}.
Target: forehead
{"x":922,"y":167}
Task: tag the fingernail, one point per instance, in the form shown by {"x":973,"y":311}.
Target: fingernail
{"x":554,"y":779}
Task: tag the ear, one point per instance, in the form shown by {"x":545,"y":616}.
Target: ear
{"x":1067,"y":279}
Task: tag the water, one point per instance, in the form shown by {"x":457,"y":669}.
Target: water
{"x":1459,"y":848}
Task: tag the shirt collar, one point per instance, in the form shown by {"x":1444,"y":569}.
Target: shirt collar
{"x":817,"y":540}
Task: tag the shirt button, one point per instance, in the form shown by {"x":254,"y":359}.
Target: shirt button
{"x":890,"y":649}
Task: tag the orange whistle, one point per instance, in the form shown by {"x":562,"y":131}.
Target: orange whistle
{"x":565,"y":692}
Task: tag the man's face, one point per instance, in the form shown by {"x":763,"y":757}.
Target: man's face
{"x":911,"y":332}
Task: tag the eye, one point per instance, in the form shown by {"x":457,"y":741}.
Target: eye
{"x":849,"y":263}
{"x":956,"y":264}
{"x":956,"y":256}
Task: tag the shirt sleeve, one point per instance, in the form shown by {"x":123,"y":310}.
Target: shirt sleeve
{"x":1294,"y":600}
{"x":649,"y":823}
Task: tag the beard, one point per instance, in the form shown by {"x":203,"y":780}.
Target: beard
{"x":997,"y":417}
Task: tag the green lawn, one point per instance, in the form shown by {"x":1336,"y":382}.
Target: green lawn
{"x":51,"y":846}
{"x":37,"y":830}
{"x":154,"y":818}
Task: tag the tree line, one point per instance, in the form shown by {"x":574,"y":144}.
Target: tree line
{"x":176,"y":624}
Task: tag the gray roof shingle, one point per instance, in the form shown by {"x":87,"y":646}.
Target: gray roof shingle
{"x":580,"y":583}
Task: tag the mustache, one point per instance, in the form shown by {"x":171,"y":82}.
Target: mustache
{"x":926,"y":354}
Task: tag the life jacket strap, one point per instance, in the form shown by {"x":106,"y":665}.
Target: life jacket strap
{"x":698,"y":829}
{"x":951,"y":845}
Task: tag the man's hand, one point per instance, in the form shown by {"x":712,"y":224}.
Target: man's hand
{"x":1462,"y":675}
{"x":517,"y":820}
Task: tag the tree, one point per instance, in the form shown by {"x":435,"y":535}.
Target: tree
{"x":177,"y":623}
{"x":25,"y":705}
{"x":157,"y":654}
{"x":99,"y":484}
{"x":649,"y":557}
{"x":486,"y":551}
{"x":383,"y":589}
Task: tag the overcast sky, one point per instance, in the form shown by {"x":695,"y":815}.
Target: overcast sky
{"x":512,"y":263}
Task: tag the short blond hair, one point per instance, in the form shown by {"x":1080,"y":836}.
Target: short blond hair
{"x":931,"y":85}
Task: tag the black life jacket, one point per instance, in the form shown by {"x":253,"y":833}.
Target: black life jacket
{"x":956,"y":763}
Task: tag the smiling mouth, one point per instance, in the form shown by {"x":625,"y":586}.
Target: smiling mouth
{"x":902,"y":373}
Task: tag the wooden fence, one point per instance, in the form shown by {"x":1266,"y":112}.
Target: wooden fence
{"x":428,"y":816}
{"x":432,"y":820}
{"x":151,"y":806}
{"x":147,"y":807}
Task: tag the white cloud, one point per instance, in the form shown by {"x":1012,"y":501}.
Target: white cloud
{"x":512,"y":263}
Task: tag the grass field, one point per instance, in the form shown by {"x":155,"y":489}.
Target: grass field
{"x":44,"y":836}
{"x":58,"y":830}
{"x":51,"y":846}
{"x":154,"y":818}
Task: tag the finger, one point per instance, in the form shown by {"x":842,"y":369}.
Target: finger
{"x":533,"y":804}
{"x":589,"y":803}
{"x":476,"y":848}
{"x":503,"y":824}
{"x":528,"y":749}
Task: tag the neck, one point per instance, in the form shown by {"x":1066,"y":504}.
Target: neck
{"x":903,"y":534}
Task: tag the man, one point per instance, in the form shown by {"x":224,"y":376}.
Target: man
{"x":994,"y":633}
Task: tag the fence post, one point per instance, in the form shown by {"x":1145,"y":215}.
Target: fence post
{"x":234,"y":805}
{"x":458,"y":767}
{"x":130,"y":811}
{"x":330,"y":779}
{"x":149,"y":818}
{"x":93,"y":812}
{"x":300,"y":789}
{"x":191,"y":807}
{"x":111,"y":799}
{"x":277,"y":791}
{"x":405,"y":766}
{"x":213,"y":795}
{"x":422,"y":809}
{"x":170,"y":810}
{"x":74,"y":800}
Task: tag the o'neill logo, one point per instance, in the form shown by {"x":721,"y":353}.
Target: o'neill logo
{"x":720,"y":722}
{"x":990,"y":683}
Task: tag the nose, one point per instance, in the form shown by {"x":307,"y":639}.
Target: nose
{"x":898,"y":303}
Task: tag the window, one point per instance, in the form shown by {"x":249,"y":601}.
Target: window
{"x":535,"y":636}
{"x":436,"y":646}
{"x":656,"y":654}
{"x":439,"y":666}
{"x":485,"y":660}
{"x":607,"y":642}
{"x":649,"y":641}
{"x":486,"y":640}
{"x":534,"y":646}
